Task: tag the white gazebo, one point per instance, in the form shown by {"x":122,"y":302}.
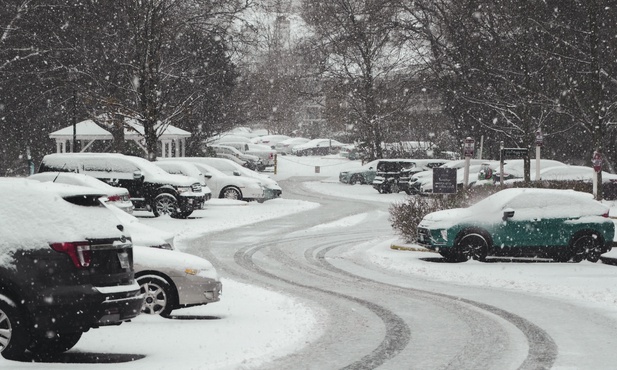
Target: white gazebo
{"x":88,"y":131}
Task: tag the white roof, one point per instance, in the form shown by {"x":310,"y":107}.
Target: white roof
{"x":85,"y":130}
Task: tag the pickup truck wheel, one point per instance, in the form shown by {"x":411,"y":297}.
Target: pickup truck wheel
{"x":14,"y":335}
{"x":165,"y":204}
{"x":472,"y":246}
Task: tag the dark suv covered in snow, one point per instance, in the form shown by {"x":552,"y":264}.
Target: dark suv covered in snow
{"x":66,"y":266}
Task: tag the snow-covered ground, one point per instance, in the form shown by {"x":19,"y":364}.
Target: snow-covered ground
{"x":233,"y":334}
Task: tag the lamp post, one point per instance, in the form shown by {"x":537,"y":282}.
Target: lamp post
{"x":72,"y":79}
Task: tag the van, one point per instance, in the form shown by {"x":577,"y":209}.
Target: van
{"x":151,"y":188}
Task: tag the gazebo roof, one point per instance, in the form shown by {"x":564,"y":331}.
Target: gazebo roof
{"x":85,"y":130}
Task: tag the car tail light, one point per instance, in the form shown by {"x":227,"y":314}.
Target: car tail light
{"x":80,"y":252}
{"x":114,"y":198}
{"x":271,"y":155}
{"x":606,"y":214}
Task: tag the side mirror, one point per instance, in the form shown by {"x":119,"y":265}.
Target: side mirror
{"x":507,"y":213}
{"x":207,"y":175}
{"x":137,"y":175}
{"x":236,"y":173}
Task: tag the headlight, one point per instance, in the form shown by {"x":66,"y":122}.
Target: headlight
{"x":444,"y":234}
{"x":183,"y":189}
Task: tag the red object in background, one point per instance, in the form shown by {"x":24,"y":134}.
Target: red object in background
{"x":597,"y":161}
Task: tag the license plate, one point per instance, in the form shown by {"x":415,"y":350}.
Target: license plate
{"x":123,"y":257}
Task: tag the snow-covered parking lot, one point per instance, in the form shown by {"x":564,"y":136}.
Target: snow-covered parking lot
{"x":252,"y":325}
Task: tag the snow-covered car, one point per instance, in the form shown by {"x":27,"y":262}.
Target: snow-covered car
{"x":425,"y":185}
{"x":265,"y":153}
{"x":522,"y":222}
{"x":271,"y":188}
{"x":66,"y":267}
{"x":189,"y":170}
{"x":116,"y":196}
{"x":514,"y":168}
{"x":221,"y":184}
{"x":286,"y":146}
{"x":168,"y":278}
{"x":151,"y":188}
{"x":317,"y":147}
{"x":229,"y":152}
{"x":269,"y":140}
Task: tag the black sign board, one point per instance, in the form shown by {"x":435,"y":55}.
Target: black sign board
{"x":514,"y":153}
{"x":444,"y":180}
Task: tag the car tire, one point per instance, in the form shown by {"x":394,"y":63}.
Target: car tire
{"x":472,"y":246}
{"x":60,"y":343}
{"x":14,"y":334}
{"x":231,"y":192}
{"x":159,"y":297}
{"x":355,"y":179}
{"x":164,"y":204}
{"x":586,"y":246}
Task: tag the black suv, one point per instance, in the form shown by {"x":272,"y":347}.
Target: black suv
{"x":66,"y":266}
{"x":151,"y":188}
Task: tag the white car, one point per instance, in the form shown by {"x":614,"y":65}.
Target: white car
{"x":317,"y":147}
{"x":189,"y":170}
{"x":117,"y":196}
{"x":221,"y":184}
{"x":286,"y":146}
{"x":231,"y":153}
{"x":170,"y":279}
{"x":271,"y":187}
{"x":269,"y":140}
{"x":265,"y":153}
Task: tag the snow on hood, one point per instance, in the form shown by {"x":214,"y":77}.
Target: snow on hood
{"x":164,"y":259}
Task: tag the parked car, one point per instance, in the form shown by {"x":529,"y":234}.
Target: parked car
{"x":514,"y":168}
{"x":229,"y":152}
{"x":271,"y":188}
{"x":222,"y":185}
{"x":265,"y":153}
{"x":169,"y":279}
{"x":559,"y":224}
{"x":317,"y":147}
{"x":363,"y":175}
{"x":116,"y":196}
{"x":269,"y":140}
{"x":189,"y":170}
{"x":424,"y":185}
{"x":67,"y":267}
{"x":151,"y":189}
{"x":286,"y":146}
{"x":393,"y":175}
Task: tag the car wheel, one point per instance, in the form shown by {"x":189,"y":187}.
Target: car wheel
{"x":61,"y":342}
{"x":394,"y":188}
{"x":231,"y":193}
{"x":158,"y":295}
{"x":585,"y":246}
{"x":472,"y":246}
{"x":14,"y":335}
{"x":165,"y":204}
{"x":355,"y":179}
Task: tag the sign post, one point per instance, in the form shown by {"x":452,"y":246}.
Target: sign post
{"x":596,"y":160}
{"x":539,"y":143}
{"x":468,"y":149}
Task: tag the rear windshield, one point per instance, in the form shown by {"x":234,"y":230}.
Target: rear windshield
{"x":84,"y":200}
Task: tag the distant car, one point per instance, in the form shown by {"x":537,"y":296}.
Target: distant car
{"x":286,"y":146}
{"x":317,"y":147}
{"x":362,"y":175}
{"x":265,"y":153}
{"x":559,"y":224}
{"x":271,"y":188}
{"x":229,"y":152}
{"x":269,"y":140}
{"x":190,"y":170}
{"x":514,"y":168}
{"x":393,"y":174}
{"x":221,"y":184}
{"x":67,"y":267}
{"x":168,"y":278}
{"x":116,"y":196}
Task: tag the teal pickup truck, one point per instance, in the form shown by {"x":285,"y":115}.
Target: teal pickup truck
{"x":560,"y":224}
